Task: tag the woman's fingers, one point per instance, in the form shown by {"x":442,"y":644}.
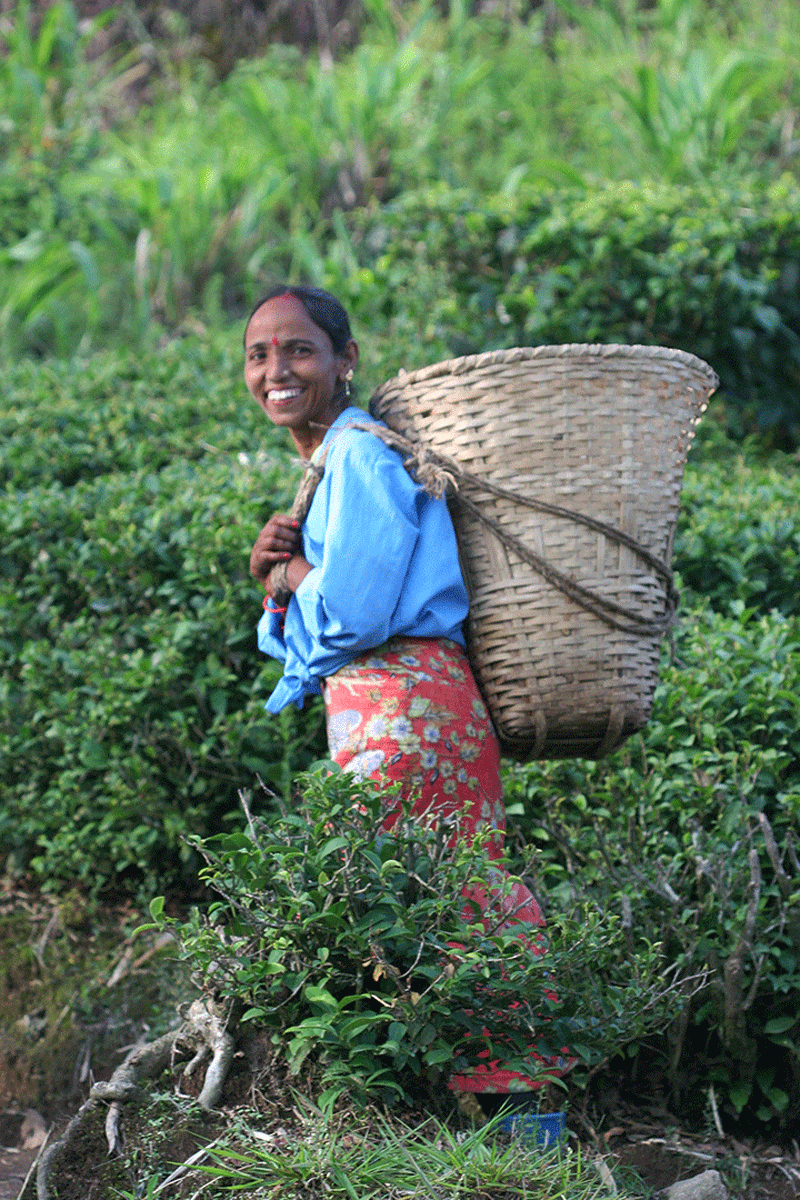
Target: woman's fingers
{"x":277,"y":542}
{"x":279,"y":534}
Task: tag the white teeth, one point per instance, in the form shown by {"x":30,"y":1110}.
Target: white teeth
{"x":288,"y":394}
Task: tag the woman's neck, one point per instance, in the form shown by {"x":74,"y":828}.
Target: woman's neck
{"x":311,"y":436}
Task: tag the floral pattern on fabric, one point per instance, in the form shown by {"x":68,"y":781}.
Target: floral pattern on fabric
{"x":410,"y":710}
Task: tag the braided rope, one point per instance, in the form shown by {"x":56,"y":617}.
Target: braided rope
{"x":278,"y":585}
{"x":438,"y":474}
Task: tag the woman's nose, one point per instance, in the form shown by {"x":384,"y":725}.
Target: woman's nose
{"x":276,"y":363}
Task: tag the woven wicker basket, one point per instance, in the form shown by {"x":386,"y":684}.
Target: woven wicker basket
{"x":567,"y":558}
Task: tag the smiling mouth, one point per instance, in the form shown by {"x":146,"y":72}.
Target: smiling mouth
{"x":281,"y":397}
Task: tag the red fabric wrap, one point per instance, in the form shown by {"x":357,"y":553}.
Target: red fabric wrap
{"x":410,"y":712}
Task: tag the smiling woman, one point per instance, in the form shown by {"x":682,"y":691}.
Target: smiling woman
{"x":375,"y":610}
{"x":294,"y":372}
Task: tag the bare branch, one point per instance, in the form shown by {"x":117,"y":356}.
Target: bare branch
{"x":735,"y":1027}
{"x":784,"y":882}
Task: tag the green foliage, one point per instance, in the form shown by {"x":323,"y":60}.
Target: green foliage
{"x":695,"y":822}
{"x":132,"y":686}
{"x":694,"y":98}
{"x":46,"y":82}
{"x":699,"y":116}
{"x":55,"y":271}
{"x":739,"y":535}
{"x":67,"y":422}
{"x":454,"y":207}
{"x":344,"y":1153}
{"x":677,"y":266}
{"x":111,"y":225}
{"x":357,"y":946}
{"x":347,"y":1160}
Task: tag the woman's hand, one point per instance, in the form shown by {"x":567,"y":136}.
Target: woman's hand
{"x":278,"y":546}
{"x":277,"y":542}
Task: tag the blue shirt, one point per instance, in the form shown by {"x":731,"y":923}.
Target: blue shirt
{"x":384,"y":563}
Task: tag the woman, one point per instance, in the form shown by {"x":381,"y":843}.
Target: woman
{"x":374,"y":619}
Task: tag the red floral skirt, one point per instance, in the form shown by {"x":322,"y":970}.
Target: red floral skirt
{"x":410,"y":712}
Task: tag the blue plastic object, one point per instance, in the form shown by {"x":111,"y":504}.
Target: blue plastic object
{"x":545,"y":1129}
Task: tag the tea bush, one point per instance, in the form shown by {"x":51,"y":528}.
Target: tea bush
{"x":132,"y":688}
{"x":355,"y":947}
{"x":62,"y":422}
{"x":713,"y":272}
{"x":738,"y":533}
{"x":695,"y":821}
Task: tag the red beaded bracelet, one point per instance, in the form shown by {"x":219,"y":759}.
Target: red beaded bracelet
{"x":273,"y":608}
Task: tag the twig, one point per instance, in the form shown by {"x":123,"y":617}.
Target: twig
{"x":35,"y":1164}
{"x":627,"y":924}
{"x":180,"y":1171}
{"x":784,"y":882}
{"x":599,"y":1146}
{"x":161,"y":942}
{"x":793,"y":853}
{"x":712,"y":1098}
{"x":735,"y":1032}
{"x":250,"y":822}
{"x":122,"y":968}
{"x":606,"y":1176}
{"x":128,"y":963}
{"x":39,"y":947}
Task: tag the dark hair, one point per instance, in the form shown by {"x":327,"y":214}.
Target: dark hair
{"x":323,"y":309}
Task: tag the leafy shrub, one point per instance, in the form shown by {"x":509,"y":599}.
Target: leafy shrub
{"x":116,"y":412}
{"x":714,"y":273}
{"x":132,"y":685}
{"x":353,"y":945}
{"x":111,"y":224}
{"x":695,"y":822}
{"x":738,"y":533}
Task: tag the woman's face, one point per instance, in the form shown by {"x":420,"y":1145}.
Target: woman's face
{"x":292,"y":371}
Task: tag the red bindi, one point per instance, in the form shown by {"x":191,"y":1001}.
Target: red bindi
{"x":275,"y":341}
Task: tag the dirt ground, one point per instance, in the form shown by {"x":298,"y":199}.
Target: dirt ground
{"x":16,"y":1165}
{"x":643,"y":1151}
{"x":641,"y":1155}
{"x":76,"y":994}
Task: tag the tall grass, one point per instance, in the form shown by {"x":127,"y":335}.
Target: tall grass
{"x":113,"y":220}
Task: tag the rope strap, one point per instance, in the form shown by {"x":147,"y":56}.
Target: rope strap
{"x":276,"y":582}
{"x":439,"y":474}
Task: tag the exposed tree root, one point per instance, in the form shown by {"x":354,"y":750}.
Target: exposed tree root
{"x":205,"y":1027}
{"x":203,"y":1030}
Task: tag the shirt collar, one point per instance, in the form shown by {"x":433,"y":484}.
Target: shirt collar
{"x":345,"y":416}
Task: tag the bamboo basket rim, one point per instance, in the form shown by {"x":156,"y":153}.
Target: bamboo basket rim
{"x":463,"y":364}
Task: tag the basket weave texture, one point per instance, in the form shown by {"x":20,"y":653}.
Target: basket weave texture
{"x":568,"y":608}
